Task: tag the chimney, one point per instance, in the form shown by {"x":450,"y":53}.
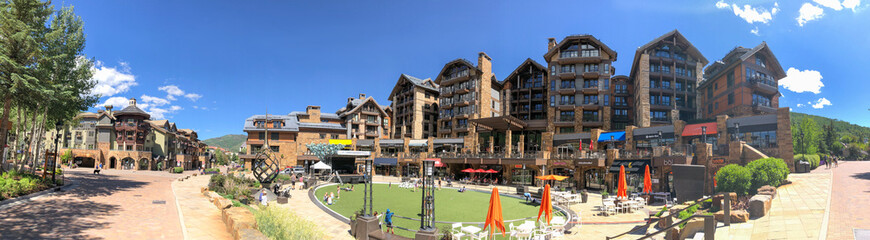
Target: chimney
{"x":109,"y":109}
{"x":362,"y":96}
{"x":350,"y":99}
{"x":484,"y":62}
{"x":551,"y":43}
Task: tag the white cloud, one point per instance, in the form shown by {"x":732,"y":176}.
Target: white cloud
{"x":117,"y":103}
{"x":195,"y":107}
{"x":851,"y":4}
{"x":822,"y":102}
{"x":832,"y":4}
{"x":775,"y":8}
{"x":800,"y":105}
{"x":802,"y":81}
{"x":755,"y":31}
{"x":193,"y":96}
{"x":171,"y":91}
{"x":154,"y":100}
{"x":175,"y":108}
{"x":809,"y":12}
{"x":722,"y":5}
{"x":112,"y":81}
{"x":752,"y":15}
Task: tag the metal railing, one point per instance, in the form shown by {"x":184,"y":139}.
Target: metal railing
{"x":671,"y":214}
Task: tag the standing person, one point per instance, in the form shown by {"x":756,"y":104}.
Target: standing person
{"x":836,"y":162}
{"x":388,"y":219}
{"x":293,"y":181}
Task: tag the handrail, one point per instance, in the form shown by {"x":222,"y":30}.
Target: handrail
{"x":669,"y":215}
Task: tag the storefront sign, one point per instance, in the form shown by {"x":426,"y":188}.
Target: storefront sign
{"x":720,"y":161}
{"x":559,"y":163}
{"x":654,"y":180}
{"x":352,"y":153}
{"x":518,"y":166}
{"x":668,"y":162}
{"x":583,"y":163}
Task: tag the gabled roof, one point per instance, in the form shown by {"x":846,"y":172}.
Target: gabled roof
{"x":160,"y":122}
{"x":427,"y":84}
{"x":290,"y":123}
{"x":675,"y":34}
{"x":356,"y":104}
{"x":522,"y":67}
{"x":572,"y":38}
{"x":738,"y":55}
{"x":450,"y":64}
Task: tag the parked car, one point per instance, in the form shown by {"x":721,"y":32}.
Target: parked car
{"x":299,"y":170}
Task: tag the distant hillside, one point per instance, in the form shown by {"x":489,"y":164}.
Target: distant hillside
{"x":229,"y":142}
{"x":841,"y":128}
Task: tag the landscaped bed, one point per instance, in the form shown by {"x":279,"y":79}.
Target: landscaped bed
{"x":15,"y":184}
{"x":450,"y":205}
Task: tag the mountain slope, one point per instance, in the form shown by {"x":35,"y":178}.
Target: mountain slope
{"x":841,"y":128}
{"x":229,"y":141}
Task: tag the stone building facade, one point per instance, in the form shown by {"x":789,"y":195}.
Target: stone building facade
{"x":414,"y":103}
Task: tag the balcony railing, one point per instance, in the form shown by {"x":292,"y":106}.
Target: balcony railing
{"x":566,"y":119}
{"x":586,"y":155}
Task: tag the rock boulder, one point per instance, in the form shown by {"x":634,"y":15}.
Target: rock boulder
{"x":737,"y":216}
{"x":717,"y":200}
{"x":759,"y":205}
{"x":692,"y":226}
{"x":237,"y":219}
{"x":767,"y":190}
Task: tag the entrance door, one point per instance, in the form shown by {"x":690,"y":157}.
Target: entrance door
{"x":112,"y":163}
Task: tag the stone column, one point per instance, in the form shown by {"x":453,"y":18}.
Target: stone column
{"x":380,"y":127}
{"x":784,"y":138}
{"x":522,"y":144}
{"x":376,"y":146}
{"x":547,"y":144}
{"x":629,"y":137}
{"x":430,"y":143}
{"x":491,"y":143}
{"x":349,"y":128}
{"x":508,"y":140}
{"x":678,"y":132}
{"x":722,"y":129}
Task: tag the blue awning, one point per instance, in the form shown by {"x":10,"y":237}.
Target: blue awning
{"x":617,"y":136}
{"x":385,"y":161}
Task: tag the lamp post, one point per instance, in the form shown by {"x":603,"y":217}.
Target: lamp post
{"x":611,"y":142}
{"x":57,"y":126}
{"x":737,"y":129}
{"x":704,"y":133}
{"x":660,"y":138}
{"x":427,"y":207}
{"x":367,"y":191}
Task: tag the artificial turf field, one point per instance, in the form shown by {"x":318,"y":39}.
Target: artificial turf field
{"x":450,"y":205}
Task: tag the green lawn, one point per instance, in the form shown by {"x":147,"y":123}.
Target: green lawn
{"x":450,"y":205}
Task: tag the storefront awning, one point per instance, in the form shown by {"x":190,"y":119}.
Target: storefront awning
{"x":438,"y":162}
{"x":417,"y":143}
{"x":614,"y":136}
{"x":631,"y":166}
{"x":346,"y":153}
{"x":653,"y":132}
{"x":385,"y":161}
{"x":697,"y":129}
{"x":365,"y":143}
{"x":392,"y":142}
{"x":449,"y":141}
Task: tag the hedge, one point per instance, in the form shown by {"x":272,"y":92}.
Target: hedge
{"x":211,"y":171}
{"x":734,"y":178}
{"x":14,"y":184}
{"x":767,"y":171}
{"x":178,"y":170}
{"x":812,"y":158}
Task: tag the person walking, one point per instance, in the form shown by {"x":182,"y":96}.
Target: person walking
{"x":836,"y":162}
{"x":293,"y":181}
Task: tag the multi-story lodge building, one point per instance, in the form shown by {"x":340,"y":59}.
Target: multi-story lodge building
{"x":744,"y":82}
{"x":574,"y":117}
{"x":415,"y":108}
{"x":666,"y":72}
{"x":467,"y":92}
{"x":364,"y":118}
{"x":580,"y":70}
{"x":128,"y":139}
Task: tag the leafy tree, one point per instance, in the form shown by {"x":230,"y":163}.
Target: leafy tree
{"x":324,"y":151}
{"x":220,"y":157}
{"x":805,"y":137}
{"x":22,"y":28}
{"x":67,"y":155}
{"x":828,"y":139}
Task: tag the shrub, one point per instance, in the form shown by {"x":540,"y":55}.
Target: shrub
{"x":664,"y":209}
{"x":278,"y":223}
{"x":178,"y":170}
{"x":813,"y":159}
{"x":212,"y":170}
{"x":734,"y":178}
{"x":767,"y":171}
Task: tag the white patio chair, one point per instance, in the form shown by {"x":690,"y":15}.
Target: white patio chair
{"x":482,"y":235}
{"x":456,"y":230}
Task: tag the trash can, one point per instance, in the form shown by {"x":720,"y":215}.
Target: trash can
{"x":803,"y":167}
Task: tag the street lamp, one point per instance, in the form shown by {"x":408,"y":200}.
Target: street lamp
{"x":367,"y":191}
{"x":660,"y":139}
{"x":737,"y":129}
{"x":704,"y":133}
{"x":427,"y":207}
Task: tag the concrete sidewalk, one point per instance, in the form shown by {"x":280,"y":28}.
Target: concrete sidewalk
{"x":202,"y":220}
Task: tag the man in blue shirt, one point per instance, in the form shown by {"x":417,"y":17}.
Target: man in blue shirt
{"x":388,"y":219}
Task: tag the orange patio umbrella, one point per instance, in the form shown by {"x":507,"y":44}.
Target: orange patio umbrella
{"x":552,"y":177}
{"x":546,"y":205}
{"x":647,"y":182}
{"x":494,"y":219}
{"x":621,"y":191}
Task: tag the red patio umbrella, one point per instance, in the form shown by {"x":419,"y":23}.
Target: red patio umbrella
{"x":494,"y":219}
{"x":647,"y":182}
{"x":480,"y":171}
{"x":469,"y":170}
{"x":490,"y":171}
{"x":621,"y":189}
{"x":546,"y":205}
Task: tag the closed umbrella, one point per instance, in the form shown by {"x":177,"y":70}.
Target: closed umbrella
{"x":494,"y":218}
{"x":546,"y":205}
{"x":621,"y":191}
{"x":647,"y":182}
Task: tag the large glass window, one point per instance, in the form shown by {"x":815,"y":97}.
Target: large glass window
{"x":590,"y":68}
{"x":590,"y":84}
{"x":566,"y":130}
{"x":567,"y":100}
{"x":590,"y":99}
{"x":567,"y":84}
{"x":590,"y":116}
{"x":566,"y":116}
{"x":658,"y":116}
{"x":730,"y":79}
{"x":759,"y":100}
{"x":567,"y":68}
{"x":588,"y":50}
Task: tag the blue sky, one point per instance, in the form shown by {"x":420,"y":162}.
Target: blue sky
{"x":208,"y":65}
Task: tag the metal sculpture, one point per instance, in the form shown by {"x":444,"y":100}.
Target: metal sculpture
{"x":264,"y":166}
{"x":427,"y":207}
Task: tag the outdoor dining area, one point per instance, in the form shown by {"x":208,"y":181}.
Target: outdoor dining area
{"x":545,"y":226}
{"x":476,"y":176}
{"x":623,"y":202}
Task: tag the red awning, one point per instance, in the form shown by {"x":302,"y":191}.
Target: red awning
{"x":695,"y":129}
{"x":438,"y":162}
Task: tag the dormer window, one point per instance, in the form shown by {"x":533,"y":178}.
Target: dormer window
{"x":587,"y":50}
{"x":760,"y":61}
{"x":458,"y":71}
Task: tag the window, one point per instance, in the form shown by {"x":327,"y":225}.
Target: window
{"x":590,"y":116}
{"x":261,"y":136}
{"x":273,"y":136}
{"x":730,"y":79}
{"x":567,"y":100}
{"x":607,"y":68}
{"x":566,"y":116}
{"x":588,"y":50}
{"x":323,"y":136}
{"x":666,"y":100}
{"x":663,"y":53}
{"x":590,"y":68}
{"x":568,"y":53}
{"x":715,"y":86}
{"x":567,"y":84}
{"x":552,"y":70}
{"x":709,"y":93}
{"x":567,"y":69}
{"x":620,"y":112}
{"x":276,"y":124}
{"x":758,"y":100}
{"x":606,"y":100}
{"x":658,"y":116}
{"x":709,"y":108}
{"x":590,"y":99}
{"x":666,"y":84}
{"x":716,"y":105}
{"x":274,"y":148}
{"x":760,"y":61}
{"x":619,"y":101}
{"x":730,"y":98}
{"x":553,"y":100}
{"x":606,"y":84}
{"x":566,"y":130}
{"x":461,"y":123}
{"x":652,"y":84}
{"x":590,"y":84}
{"x":552,"y":85}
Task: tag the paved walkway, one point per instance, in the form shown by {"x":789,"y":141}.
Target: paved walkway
{"x":850,"y":201}
{"x":115,"y":205}
{"x":202,"y":220}
{"x":797,"y":212}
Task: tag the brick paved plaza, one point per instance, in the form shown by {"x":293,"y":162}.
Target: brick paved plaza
{"x":850,"y":201}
